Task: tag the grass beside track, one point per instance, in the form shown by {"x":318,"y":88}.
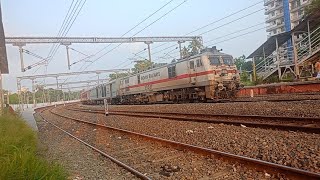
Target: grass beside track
{"x":18,"y":153}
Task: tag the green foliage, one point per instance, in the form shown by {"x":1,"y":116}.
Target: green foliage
{"x":142,"y":65}
{"x":239,"y":62}
{"x":18,"y":149}
{"x":259,"y":80}
{"x":114,"y":76}
{"x":194,"y":47}
{"x":13,"y":99}
{"x":272,"y":79}
{"x":314,"y":7}
{"x":185,"y":52}
{"x":244,"y":76}
{"x":243,"y":64}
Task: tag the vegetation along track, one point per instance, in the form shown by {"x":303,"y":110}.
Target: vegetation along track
{"x":303,"y":124}
{"x":155,"y":156}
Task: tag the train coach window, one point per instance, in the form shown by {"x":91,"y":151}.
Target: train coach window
{"x":172,"y":71}
{"x":126,"y":81}
{"x":191,"y":64}
{"x":199,"y":62}
{"x":214,"y":60}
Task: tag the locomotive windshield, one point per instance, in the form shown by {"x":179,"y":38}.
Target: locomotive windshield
{"x":214,"y":60}
{"x":217,"y":60}
{"x":227,"y":60}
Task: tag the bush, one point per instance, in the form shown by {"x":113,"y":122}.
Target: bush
{"x":18,"y":148}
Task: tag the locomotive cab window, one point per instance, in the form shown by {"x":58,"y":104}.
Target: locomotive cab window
{"x":138,"y":76}
{"x":227,"y":60}
{"x":191,"y":64}
{"x":199,"y":62}
{"x":172,"y":71}
{"x":214,"y":60}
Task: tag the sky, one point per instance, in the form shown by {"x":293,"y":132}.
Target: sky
{"x":112,"y":19}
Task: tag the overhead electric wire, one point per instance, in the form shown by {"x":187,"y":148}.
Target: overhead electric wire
{"x":139,"y":31}
{"x":66,"y":25}
{"x":137,"y":25}
{"x":225,"y":17}
{"x":33,"y":54}
{"x":225,"y":24}
{"x":234,"y":36}
{"x":63,"y":24}
{"x":78,"y":51}
{"x":232,"y":21}
{"x":218,"y":20}
{"x":234,"y":32}
{"x":250,"y":32}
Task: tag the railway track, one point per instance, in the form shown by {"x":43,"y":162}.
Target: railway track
{"x":144,"y":147}
{"x":303,"y":124}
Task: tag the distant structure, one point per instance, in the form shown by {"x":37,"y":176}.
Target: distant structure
{"x":283,"y":15}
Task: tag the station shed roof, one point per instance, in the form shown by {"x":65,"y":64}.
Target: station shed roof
{"x":270,"y":45}
{"x":312,"y":19}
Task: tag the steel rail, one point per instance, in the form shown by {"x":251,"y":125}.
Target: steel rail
{"x":290,"y":172}
{"x":213,"y":118}
{"x":121,"y":164}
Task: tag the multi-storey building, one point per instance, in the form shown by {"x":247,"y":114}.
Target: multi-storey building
{"x":283,"y":15}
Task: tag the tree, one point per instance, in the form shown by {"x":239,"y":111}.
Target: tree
{"x":114,"y":76}
{"x":185,"y":52}
{"x":314,"y":7}
{"x":244,"y":76}
{"x":240,"y":61}
{"x":142,"y":65}
{"x":194,"y":47}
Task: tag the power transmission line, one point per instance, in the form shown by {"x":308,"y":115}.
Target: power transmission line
{"x":234,"y":32}
{"x":238,"y":36}
{"x":216,"y":28}
{"x":215,"y":21}
{"x":62,"y":26}
{"x":137,"y":25}
{"x":232,"y":21}
{"x":250,"y":32}
{"x":139,"y":31}
{"x":66,"y":25}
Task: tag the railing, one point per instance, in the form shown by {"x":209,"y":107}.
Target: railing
{"x":270,"y":64}
{"x":306,"y":47}
{"x":276,"y":16}
{"x":266,"y":66}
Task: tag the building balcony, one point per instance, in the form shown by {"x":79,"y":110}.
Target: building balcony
{"x":296,"y":18}
{"x":297,"y":7}
{"x":276,"y":7}
{"x":267,"y":2}
{"x":274,"y":26}
{"x":269,"y":19}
